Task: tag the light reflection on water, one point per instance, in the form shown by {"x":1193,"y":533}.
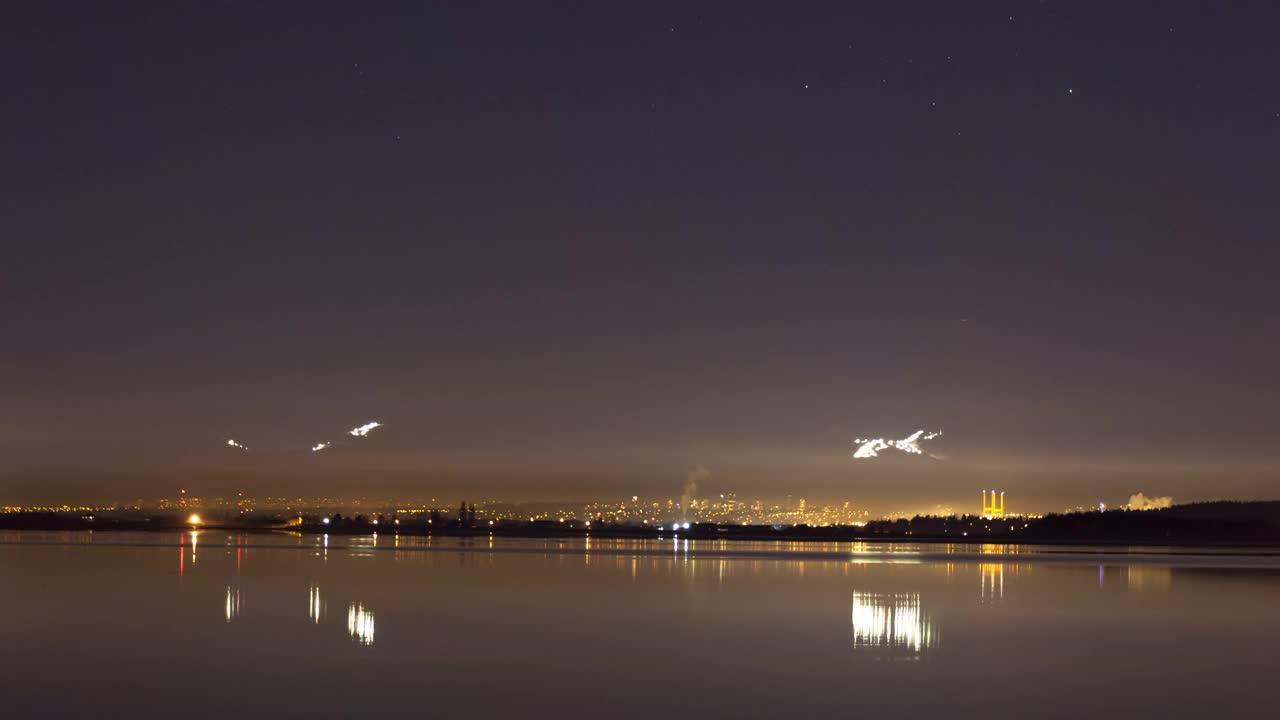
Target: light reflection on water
{"x":554,"y":618}
{"x":1149,"y":578}
{"x":991,"y":581}
{"x":360,"y":623}
{"x":232,"y":603}
{"x":891,"y":621}
{"x":315,"y":605}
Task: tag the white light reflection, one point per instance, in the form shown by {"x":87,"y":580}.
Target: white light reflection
{"x":891,"y":621}
{"x":315,"y":605}
{"x":232,"y":603}
{"x":360,"y":623}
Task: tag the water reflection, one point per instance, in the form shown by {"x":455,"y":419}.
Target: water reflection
{"x":1149,"y":578}
{"x":501,"y":617}
{"x":992,"y":582}
{"x":315,"y":605}
{"x":892,"y":622}
{"x":360,"y":623}
{"x":233,"y":603}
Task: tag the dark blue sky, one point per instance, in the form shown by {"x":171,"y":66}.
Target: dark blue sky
{"x":569,"y":250}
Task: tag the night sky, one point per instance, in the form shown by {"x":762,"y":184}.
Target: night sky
{"x":571,"y":250}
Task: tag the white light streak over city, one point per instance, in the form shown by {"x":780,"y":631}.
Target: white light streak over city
{"x":365,"y":429}
{"x":871,"y":447}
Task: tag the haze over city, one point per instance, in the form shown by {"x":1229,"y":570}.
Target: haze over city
{"x":576,"y":254}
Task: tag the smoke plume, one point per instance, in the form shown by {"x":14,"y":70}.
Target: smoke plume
{"x":690,"y":492}
{"x":1142,"y":502}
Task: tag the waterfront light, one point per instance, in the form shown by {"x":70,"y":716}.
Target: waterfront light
{"x":194,"y":519}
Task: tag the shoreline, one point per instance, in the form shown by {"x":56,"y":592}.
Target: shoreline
{"x":702,"y":532}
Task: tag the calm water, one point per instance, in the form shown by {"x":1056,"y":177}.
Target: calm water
{"x":287,"y":626}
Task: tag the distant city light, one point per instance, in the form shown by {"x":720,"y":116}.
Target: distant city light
{"x":325,"y":521}
{"x":194,"y":519}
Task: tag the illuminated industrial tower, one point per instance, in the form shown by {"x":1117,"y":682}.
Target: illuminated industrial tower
{"x":991,"y":510}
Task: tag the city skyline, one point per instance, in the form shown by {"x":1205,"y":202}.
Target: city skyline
{"x":717,"y":508}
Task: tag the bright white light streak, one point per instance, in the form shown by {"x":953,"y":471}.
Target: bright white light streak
{"x":315,"y":605}
{"x":360,"y":623}
{"x":236,"y":445}
{"x":232,"y":603}
{"x":891,"y":621}
{"x":364,"y":429}
{"x":320,"y":446}
{"x":871,"y":447}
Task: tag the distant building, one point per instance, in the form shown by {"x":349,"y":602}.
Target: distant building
{"x":990,"y":509}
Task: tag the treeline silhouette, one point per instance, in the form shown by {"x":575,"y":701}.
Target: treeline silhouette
{"x":1212,"y":522}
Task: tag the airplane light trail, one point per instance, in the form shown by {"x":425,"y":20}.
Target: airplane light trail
{"x":364,"y":429}
{"x":869,"y":448}
{"x":358,"y":432}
